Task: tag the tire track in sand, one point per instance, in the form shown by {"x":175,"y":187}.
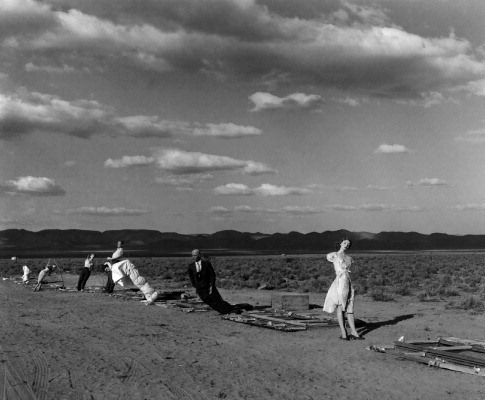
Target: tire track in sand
{"x":41,"y":374}
{"x":13,"y":386}
{"x":172,"y":383}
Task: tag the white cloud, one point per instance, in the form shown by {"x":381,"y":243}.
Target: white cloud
{"x":392,"y":149}
{"x":64,"y":69}
{"x":226,"y":130}
{"x":428,"y":182}
{"x":355,"y":46}
{"x":476,"y":136}
{"x":234,"y":189}
{"x":298,"y":210}
{"x":471,"y":207}
{"x":105,"y":211}
{"x":153,"y":126}
{"x":24,"y":113}
{"x":32,"y":186}
{"x":377,"y":187}
{"x":129,"y":161}
{"x":373,"y":207}
{"x":184,"y":162}
{"x":266,"y":189}
{"x":220,"y":211}
{"x":184,"y":183}
{"x":297,"y":101}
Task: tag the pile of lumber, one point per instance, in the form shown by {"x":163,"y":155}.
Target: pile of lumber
{"x":286,"y":321}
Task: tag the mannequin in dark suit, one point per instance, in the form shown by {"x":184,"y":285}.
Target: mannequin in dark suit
{"x":203,"y":279}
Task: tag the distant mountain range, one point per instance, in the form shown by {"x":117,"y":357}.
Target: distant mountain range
{"x":75,"y":242}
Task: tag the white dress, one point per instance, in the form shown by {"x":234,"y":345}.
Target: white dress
{"x":26,"y":275}
{"x":341,"y":291}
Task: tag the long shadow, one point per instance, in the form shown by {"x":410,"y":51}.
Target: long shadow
{"x":365,"y":327}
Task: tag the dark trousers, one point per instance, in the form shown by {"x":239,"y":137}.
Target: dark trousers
{"x":83,"y":278}
{"x":110,"y":285}
{"x":215,"y":301}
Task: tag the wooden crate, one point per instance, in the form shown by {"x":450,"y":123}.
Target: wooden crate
{"x":290,"y":301}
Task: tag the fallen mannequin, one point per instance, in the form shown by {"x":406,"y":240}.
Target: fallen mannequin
{"x":124,"y":271}
{"x":42,"y":274}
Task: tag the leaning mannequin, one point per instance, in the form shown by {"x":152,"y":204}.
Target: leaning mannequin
{"x":124,"y":271}
{"x":26,"y":275}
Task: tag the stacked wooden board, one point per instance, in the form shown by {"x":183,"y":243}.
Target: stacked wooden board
{"x":451,"y":353}
{"x":286,"y":321}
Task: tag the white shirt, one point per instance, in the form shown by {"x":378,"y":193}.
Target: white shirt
{"x":198,"y":266}
{"x":117,"y":254}
{"x":88,"y":263}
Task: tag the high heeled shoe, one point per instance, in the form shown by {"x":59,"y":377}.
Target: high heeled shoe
{"x":353,"y":337}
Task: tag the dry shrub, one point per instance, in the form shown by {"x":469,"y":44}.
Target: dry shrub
{"x":471,"y":303}
{"x":381,"y":295}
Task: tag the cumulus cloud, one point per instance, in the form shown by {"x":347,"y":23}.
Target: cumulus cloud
{"x":373,"y":207}
{"x":179,"y":161}
{"x":350,"y":46}
{"x":153,"y":126}
{"x":266,"y":189}
{"x":392,"y":149}
{"x":297,"y":101}
{"x":63,"y":69}
{"x":471,"y":207}
{"x":24,"y":113}
{"x":129,"y":161}
{"x":428,"y":182}
{"x":105,"y":211}
{"x":226,"y":130}
{"x":302,"y":211}
{"x":32,"y":186}
{"x":176,"y":161}
{"x":473,"y":136}
{"x":185,"y":183}
{"x":234,"y":189}
{"x":220,"y":211}
{"x":378,"y":187}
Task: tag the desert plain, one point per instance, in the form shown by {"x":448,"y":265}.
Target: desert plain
{"x":88,"y":345}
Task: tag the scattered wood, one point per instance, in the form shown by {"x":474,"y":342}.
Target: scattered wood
{"x":281,"y":320}
{"x":455,"y":354}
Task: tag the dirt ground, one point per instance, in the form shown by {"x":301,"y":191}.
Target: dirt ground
{"x":72,"y":345}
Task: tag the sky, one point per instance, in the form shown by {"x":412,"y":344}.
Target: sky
{"x":196,"y":116}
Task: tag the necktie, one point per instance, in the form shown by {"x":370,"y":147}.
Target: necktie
{"x":198,"y":266}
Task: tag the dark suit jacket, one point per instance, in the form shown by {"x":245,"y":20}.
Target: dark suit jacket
{"x":203,"y":280}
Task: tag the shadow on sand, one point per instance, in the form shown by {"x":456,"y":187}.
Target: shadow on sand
{"x":365,"y":327}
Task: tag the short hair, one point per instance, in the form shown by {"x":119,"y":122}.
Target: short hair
{"x":337,"y":245}
{"x":196,"y":252}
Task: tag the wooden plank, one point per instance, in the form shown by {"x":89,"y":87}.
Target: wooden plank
{"x":264,"y":317}
{"x":422,"y":342}
{"x":458,"y":359}
{"x":444,"y":365}
{"x":452,"y":348}
{"x":468,"y":342}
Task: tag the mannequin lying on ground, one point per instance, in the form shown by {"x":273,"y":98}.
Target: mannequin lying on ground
{"x":124,"y":271}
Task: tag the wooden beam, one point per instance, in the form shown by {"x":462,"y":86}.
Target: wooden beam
{"x":283,"y":321}
{"x":452,"y":348}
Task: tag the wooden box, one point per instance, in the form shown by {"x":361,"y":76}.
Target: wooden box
{"x":290,"y":301}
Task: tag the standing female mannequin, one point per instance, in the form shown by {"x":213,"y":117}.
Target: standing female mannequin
{"x":340,"y":296}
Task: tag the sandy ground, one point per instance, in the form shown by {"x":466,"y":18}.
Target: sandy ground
{"x":70,"y":345}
